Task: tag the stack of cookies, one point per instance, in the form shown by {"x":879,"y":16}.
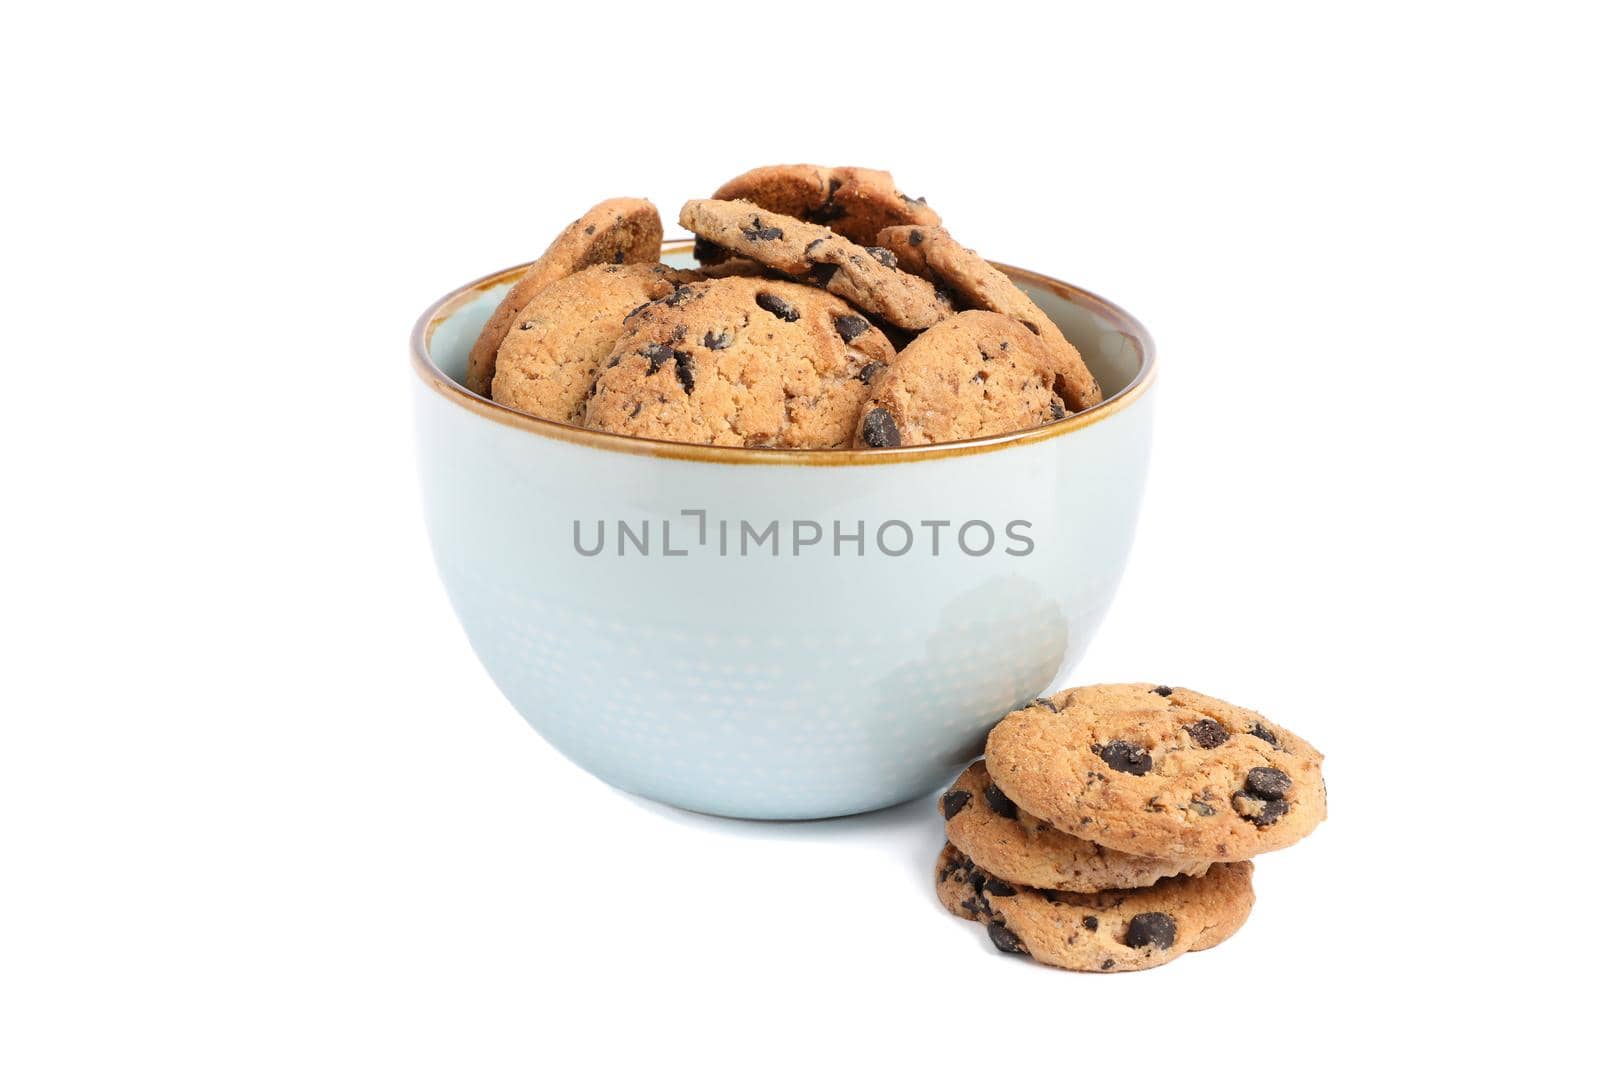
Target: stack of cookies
{"x":1110,"y":827}
{"x":829,"y":311}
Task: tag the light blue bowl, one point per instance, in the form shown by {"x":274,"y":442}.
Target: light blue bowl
{"x":828,"y":678}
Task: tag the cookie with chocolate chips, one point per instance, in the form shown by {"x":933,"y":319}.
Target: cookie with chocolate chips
{"x":1159,"y":771}
{"x":748,"y":362}
{"x":547,"y":363}
{"x":867,"y":277}
{"x":623,"y":230}
{"x":1112,"y":930}
{"x":1021,"y":848}
{"x":931,"y":252}
{"x":855,"y":202}
{"x":974,"y":375}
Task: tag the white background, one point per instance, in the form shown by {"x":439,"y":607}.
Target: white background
{"x":258,"y":803}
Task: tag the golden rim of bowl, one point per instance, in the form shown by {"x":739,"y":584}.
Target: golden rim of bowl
{"x":1105,"y":310}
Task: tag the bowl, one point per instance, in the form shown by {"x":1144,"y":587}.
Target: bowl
{"x":777,"y":634}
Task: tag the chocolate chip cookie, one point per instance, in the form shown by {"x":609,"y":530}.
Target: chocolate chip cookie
{"x":1021,"y":848}
{"x":931,"y":252}
{"x":547,"y":363}
{"x":855,"y":202}
{"x":747,"y":362}
{"x":1114,"y":930}
{"x":867,"y":277}
{"x":623,"y":230}
{"x":973,"y":375}
{"x":1160,"y":772}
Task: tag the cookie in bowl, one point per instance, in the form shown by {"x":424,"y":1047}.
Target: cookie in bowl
{"x":854,"y":202}
{"x":547,"y":364}
{"x":621,"y":230}
{"x":930,"y":251}
{"x":867,"y":277}
{"x":974,"y":375}
{"x":749,"y":362}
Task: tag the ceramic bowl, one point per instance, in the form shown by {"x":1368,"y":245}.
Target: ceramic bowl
{"x":775,"y":634}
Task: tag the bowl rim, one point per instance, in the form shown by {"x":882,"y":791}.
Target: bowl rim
{"x":440,"y":382}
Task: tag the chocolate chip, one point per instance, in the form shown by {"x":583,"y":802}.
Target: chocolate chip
{"x":1005,"y":940}
{"x":658,"y":355}
{"x":588,"y":231}
{"x":1091,"y":923}
{"x":1151,"y":928}
{"x":618,"y":257}
{"x":638,"y":406}
{"x":1257,"y":730}
{"x":1200,"y":807}
{"x":1268,"y":783}
{"x":1162,"y":690}
{"x":811,"y":249}
{"x":822,"y":273}
{"x":953,"y":801}
{"x":1207,"y":733}
{"x":825,"y":214}
{"x":717,"y":341}
{"x":999,"y":803}
{"x":526,"y":326}
{"x":883,"y":255}
{"x":1263,"y":797}
{"x":851,"y":326}
{"x":636,"y":310}
{"x":709,"y":251}
{"x":909,"y":200}
{"x":870,"y":371}
{"x":878,"y":429}
{"x":757,"y":232}
{"x":1126,"y":757}
{"x":1258,"y":810}
{"x":1058,"y":410}
{"x":916,"y":237}
{"x":778,"y":306}
{"x":995,"y":887}
{"x":677,"y":296}
{"x":1271,"y":812}
{"x":1108,"y":964}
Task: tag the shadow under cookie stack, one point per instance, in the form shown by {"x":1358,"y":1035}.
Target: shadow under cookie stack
{"x":1111,"y":827}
